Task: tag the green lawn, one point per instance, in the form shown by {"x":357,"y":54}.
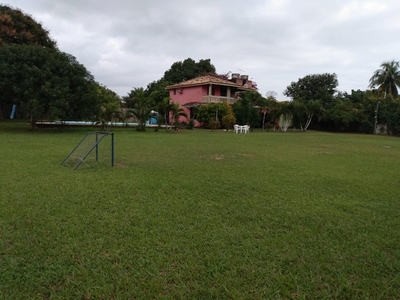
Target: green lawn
{"x":200,"y":215}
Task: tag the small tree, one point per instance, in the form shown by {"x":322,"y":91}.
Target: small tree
{"x":228,"y":121}
{"x":210,"y":112}
{"x":214,"y":124}
{"x":176,"y":112}
{"x":110,"y":109}
{"x":285,"y":115}
{"x":303,"y":112}
{"x":285,"y":121}
{"x":163,"y":108}
{"x":109,"y":112}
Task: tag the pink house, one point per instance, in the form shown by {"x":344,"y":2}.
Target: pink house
{"x":208,"y":89}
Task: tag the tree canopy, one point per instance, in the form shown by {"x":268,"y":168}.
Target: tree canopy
{"x":109,"y":109}
{"x":17,"y":27}
{"x":320,"y":87}
{"x":178,"y":72}
{"x":187,"y":69}
{"x":46,"y":83}
{"x":247,"y":108}
{"x":141,"y":106}
{"x":387,"y":78}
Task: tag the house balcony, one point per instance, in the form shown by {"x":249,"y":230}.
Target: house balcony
{"x":218,"y":99}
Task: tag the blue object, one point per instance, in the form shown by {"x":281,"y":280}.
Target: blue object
{"x":14,"y":108}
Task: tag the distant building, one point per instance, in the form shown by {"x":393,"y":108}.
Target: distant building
{"x":209,"y":89}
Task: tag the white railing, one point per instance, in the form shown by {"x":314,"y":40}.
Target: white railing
{"x":217,"y":99}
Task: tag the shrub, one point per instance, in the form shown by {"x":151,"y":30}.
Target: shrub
{"x":213,"y":124}
{"x":190,"y":124}
{"x":228,"y":121}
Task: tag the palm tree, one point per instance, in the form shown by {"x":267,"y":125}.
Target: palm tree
{"x":110,"y":107}
{"x":387,"y":78}
{"x":266,"y":105}
{"x":142,"y":108}
{"x":285,"y":113}
{"x":176,"y":112}
{"x":163,"y":108}
{"x":109,"y":112}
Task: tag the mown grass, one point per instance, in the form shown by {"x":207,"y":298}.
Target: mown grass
{"x":200,"y":215}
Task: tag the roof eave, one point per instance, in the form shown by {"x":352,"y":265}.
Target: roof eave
{"x":170,"y":87}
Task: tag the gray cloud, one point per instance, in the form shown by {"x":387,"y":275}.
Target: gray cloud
{"x":128,"y":44}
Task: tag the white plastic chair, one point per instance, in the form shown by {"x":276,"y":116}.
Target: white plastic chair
{"x":236,"y":128}
{"x":245,"y":129}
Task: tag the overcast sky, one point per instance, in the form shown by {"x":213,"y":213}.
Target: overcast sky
{"x":130,"y":43}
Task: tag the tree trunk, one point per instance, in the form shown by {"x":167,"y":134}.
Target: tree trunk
{"x":263,"y":122}
{"x":166,"y":122}
{"x":310,"y":116}
{"x":33,"y":123}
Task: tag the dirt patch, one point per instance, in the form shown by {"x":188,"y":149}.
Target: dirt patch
{"x":246,"y":155}
{"x":325,"y":149}
{"x":120,"y":165}
{"x":217,"y":157}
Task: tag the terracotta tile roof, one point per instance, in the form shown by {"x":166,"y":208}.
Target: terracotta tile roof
{"x":202,"y":80}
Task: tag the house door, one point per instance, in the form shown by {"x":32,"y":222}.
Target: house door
{"x":224,"y":91}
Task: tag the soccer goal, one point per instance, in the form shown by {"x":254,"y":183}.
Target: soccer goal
{"x":91,"y":150}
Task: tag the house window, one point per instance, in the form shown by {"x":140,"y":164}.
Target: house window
{"x":224,"y":91}
{"x":174,"y":91}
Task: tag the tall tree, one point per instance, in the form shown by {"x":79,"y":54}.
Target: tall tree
{"x":246,"y":108}
{"x":178,"y":72}
{"x":129,"y":101}
{"x":320,"y":87}
{"x":187,"y":69}
{"x":156,"y":90}
{"x":82,"y":97}
{"x":387,"y":78}
{"x":17,"y":27}
{"x":46,"y":83}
